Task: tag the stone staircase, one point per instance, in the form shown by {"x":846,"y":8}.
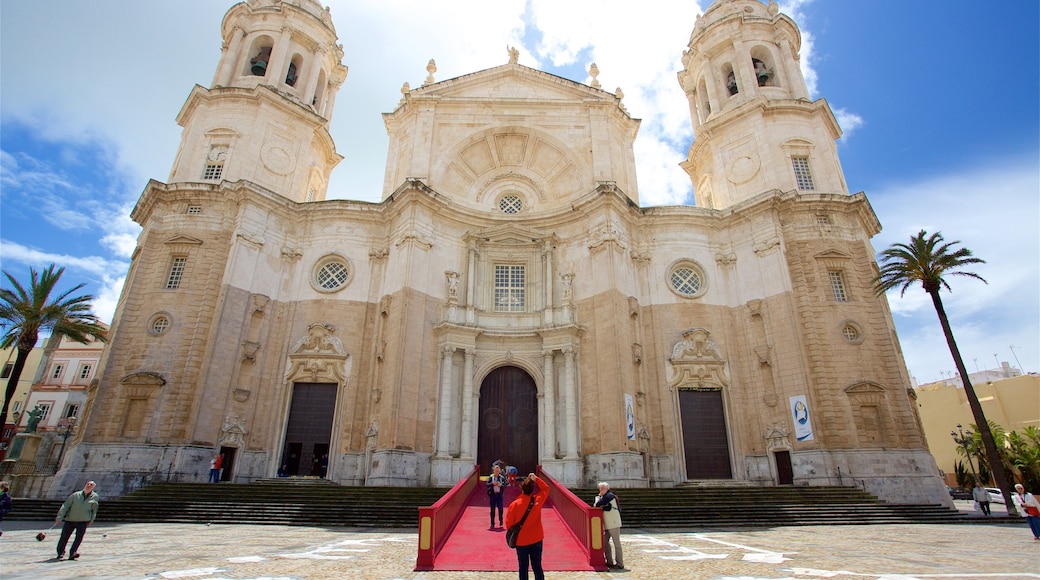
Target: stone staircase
{"x":318,"y":502}
{"x":742,"y":506}
{"x":287,"y":501}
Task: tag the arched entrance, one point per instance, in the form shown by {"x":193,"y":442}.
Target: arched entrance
{"x":508,"y":420}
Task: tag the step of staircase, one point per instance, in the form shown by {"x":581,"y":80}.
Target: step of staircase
{"x":321,"y":503}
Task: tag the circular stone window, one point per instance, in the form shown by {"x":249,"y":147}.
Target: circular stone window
{"x":331,"y":273}
{"x":851,"y":332}
{"x":159,"y":324}
{"x":686,"y":279}
{"x":510,"y":204}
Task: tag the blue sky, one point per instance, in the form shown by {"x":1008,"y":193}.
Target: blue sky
{"x":939,"y":103}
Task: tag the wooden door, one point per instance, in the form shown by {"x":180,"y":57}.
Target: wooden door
{"x":310,"y":425}
{"x":705,"y":440}
{"x":508,"y":420}
{"x":784,"y":469}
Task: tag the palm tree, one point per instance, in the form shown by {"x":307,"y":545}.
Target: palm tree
{"x":24,"y":314}
{"x":926,"y":259}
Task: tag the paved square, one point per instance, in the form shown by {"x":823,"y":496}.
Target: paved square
{"x":169,"y":551}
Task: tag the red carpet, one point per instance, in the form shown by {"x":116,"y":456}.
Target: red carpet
{"x":473,"y":547}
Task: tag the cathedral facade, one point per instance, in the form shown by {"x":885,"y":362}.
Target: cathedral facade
{"x":508,"y":298}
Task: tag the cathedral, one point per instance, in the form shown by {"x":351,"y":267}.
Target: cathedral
{"x":508,"y":298}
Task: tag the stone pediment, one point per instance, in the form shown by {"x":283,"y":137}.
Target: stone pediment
{"x":832,"y":255}
{"x":508,"y":234}
{"x":512,"y":81}
{"x":183,"y":240}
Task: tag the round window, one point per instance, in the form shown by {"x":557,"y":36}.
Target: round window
{"x":330,"y":274}
{"x":851,"y":332}
{"x":510,"y":204}
{"x":159,"y":324}
{"x":686,"y":279}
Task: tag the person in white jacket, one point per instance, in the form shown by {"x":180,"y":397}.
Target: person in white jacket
{"x":611,"y":526}
{"x":1029,"y":508}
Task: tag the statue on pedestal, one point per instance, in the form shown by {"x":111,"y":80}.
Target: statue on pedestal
{"x":34,"y":419}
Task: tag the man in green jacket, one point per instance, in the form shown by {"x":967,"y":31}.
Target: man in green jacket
{"x":78,"y":512}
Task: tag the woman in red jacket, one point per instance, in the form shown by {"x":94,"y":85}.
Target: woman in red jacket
{"x":529,"y":541}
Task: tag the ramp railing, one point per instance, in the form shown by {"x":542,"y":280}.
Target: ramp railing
{"x":583,"y":520}
{"x":436,"y":522}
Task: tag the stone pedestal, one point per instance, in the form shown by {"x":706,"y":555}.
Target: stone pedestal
{"x":22,"y":457}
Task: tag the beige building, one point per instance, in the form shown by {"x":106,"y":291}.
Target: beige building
{"x":1013,"y":403}
{"x":21,"y":393}
{"x":59,"y":392}
{"x":508,"y":297}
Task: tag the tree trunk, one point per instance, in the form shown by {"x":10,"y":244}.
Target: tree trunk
{"x":995,"y":464}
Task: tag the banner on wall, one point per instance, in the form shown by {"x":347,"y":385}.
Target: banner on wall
{"x":630,"y":417}
{"x":802,"y":425}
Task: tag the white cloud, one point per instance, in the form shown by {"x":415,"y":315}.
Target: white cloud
{"x":993,"y":211}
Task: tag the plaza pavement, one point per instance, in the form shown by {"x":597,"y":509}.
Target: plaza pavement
{"x":882,"y":552}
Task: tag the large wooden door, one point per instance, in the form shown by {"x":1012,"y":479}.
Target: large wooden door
{"x":704,"y":435}
{"x":508,"y":420}
{"x":310,"y":426}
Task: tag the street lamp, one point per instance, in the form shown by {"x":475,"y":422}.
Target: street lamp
{"x":65,"y":428}
{"x":963,"y":439}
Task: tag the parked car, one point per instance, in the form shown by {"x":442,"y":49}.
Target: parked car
{"x":995,"y":495}
{"x":959,"y":492}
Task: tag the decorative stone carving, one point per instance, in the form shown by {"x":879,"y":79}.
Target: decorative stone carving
{"x":778,"y":438}
{"x":514,"y":54}
{"x":431,"y":67}
{"x":453,"y":286}
{"x":233,"y":433}
{"x":697,"y":363}
{"x":318,"y":357}
{"x":249,"y":350}
{"x":242,"y":395}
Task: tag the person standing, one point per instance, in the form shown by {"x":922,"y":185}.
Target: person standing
{"x":496,"y":483}
{"x":5,"y":501}
{"x":980,"y":495}
{"x":529,"y":540}
{"x":1029,"y":507}
{"x":611,"y":526}
{"x":77,"y":513}
{"x":214,"y":468}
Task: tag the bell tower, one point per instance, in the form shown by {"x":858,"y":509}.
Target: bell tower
{"x":266,"y":117}
{"x":755,"y":129}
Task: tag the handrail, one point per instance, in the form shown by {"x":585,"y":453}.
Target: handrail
{"x":436,"y":522}
{"x":584,"y":521}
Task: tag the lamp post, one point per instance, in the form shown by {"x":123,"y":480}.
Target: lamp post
{"x":66,"y":427}
{"x":963,"y":439}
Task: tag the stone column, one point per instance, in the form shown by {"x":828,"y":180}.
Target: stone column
{"x":549,"y":401}
{"x":547,"y":256}
{"x":467,"y":406}
{"x":572,"y":404}
{"x":277,"y":65}
{"x":444,"y":426}
{"x":228,"y":61}
{"x":330,"y":100}
{"x":714,"y":100}
{"x":470,"y":273}
{"x":312,"y":75}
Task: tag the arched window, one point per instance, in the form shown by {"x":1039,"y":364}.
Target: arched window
{"x":731,"y":79}
{"x":764,"y":66}
{"x":292,"y":75}
{"x":259,"y":57}
{"x":319,"y":92}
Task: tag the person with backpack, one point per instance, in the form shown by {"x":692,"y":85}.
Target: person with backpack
{"x":496,"y":483}
{"x":611,"y":526}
